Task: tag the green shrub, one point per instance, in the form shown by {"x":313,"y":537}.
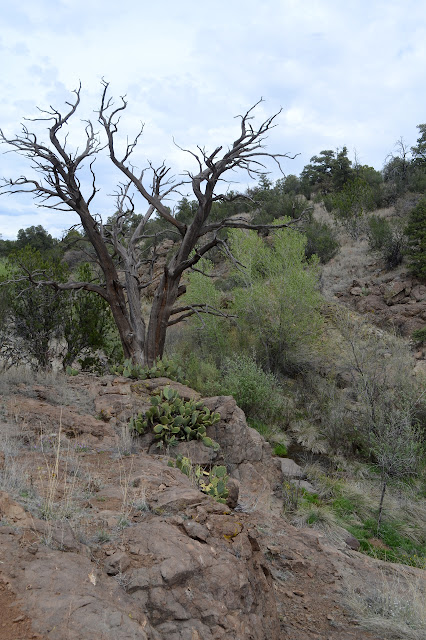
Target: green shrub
{"x":36,"y":314}
{"x":87,"y":324}
{"x":321,"y":240}
{"x":387,"y":239}
{"x":416,"y":233}
{"x":254,"y":390}
{"x":379,"y":232}
{"x":260,"y":426}
{"x":398,"y":547}
{"x":172,"y":420}
{"x":343,"y":506}
{"x":419,"y":335}
{"x":350,"y":204}
{"x":214,"y":482}
{"x":276,"y":301}
{"x":202,"y":374}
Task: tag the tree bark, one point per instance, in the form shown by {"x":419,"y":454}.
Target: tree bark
{"x":379,"y":519}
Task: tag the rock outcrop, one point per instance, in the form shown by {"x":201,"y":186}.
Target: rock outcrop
{"x":131,"y":550}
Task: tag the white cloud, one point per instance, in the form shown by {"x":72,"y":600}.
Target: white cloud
{"x":345,"y":74}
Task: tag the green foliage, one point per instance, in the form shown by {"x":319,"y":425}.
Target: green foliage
{"x":280,"y":450}
{"x":213,"y":482}
{"x":162,"y":368}
{"x":343,"y":506}
{"x":36,"y":313}
{"x":87,"y":323}
{"x":202,"y":373}
{"x":6,"y":247}
{"x":208,"y":333}
{"x":276,"y":299}
{"x":328,"y":172}
{"x":4,"y":270}
{"x":388,"y":398}
{"x":419,"y":150}
{"x":321,"y":240}
{"x":396,"y":547}
{"x":254,"y":390}
{"x":416,"y":233}
{"x":351,"y":203}
{"x":172,"y":419}
{"x":70,"y":371}
{"x":44,"y":322}
{"x":182,"y":463}
{"x":37,"y":238}
{"x":387,"y":239}
{"x":419,"y":335}
{"x":276,"y":201}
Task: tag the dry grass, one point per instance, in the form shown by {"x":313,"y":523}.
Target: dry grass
{"x":126,"y":442}
{"x":57,"y":388}
{"x":394,"y":608}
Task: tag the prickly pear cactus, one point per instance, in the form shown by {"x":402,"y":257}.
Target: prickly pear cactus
{"x":213,"y":482}
{"x":160,"y":369}
{"x":173,"y":419}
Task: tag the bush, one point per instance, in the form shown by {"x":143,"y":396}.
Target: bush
{"x":276,"y":300}
{"x":387,"y":239}
{"x":36,"y":315}
{"x":254,"y":390}
{"x":416,"y":233}
{"x":87,"y":325}
{"x":350,"y":205}
{"x":321,"y":240}
{"x":419,"y":336}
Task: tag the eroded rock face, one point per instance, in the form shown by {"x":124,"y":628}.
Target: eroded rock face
{"x":170,"y":563}
{"x":191,"y":566}
{"x":197,"y":582}
{"x":400,"y":303}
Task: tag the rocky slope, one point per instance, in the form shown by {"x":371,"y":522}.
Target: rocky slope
{"x":100,"y":538}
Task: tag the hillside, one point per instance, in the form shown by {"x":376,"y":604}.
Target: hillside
{"x":102,"y":539}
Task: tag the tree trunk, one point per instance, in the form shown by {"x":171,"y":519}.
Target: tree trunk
{"x":136,"y":319}
{"x":379,"y":519}
{"x":128,"y":325}
{"x":164,"y":299}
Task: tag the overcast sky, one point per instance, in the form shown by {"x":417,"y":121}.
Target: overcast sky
{"x":345,"y":73}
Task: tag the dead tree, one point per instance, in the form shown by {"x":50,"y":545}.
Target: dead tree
{"x":127,"y":267}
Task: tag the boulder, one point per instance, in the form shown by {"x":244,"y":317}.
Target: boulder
{"x":290,"y":469}
{"x":118,"y":562}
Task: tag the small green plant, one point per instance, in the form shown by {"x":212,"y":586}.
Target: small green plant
{"x":71,"y":372}
{"x":280,"y":450}
{"x":255,"y":391}
{"x":291,"y":496}
{"x":213,"y":482}
{"x":173,"y":420}
{"x":395,"y":546}
{"x":343,"y":506}
{"x":162,"y":368}
{"x":419,"y":336}
{"x":102,"y":536}
{"x":182,"y":463}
